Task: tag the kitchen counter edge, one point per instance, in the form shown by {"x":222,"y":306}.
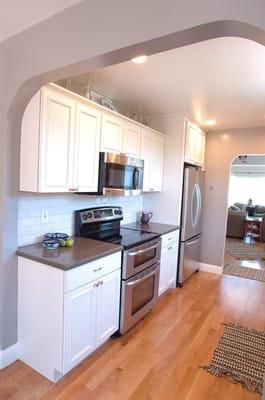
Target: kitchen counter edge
{"x":67,"y":262}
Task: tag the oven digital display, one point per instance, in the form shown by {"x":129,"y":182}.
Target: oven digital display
{"x":107,"y":212}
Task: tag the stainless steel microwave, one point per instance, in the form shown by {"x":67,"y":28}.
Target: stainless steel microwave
{"x":119,"y":175}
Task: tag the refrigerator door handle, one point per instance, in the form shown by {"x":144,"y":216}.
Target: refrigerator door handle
{"x":199,"y":198}
{"x":194,"y":241}
{"x":196,"y":194}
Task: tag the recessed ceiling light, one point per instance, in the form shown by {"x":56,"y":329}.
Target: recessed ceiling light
{"x":139,"y":59}
{"x":210,"y":122}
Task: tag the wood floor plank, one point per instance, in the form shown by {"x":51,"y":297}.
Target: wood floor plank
{"x":161,"y":357}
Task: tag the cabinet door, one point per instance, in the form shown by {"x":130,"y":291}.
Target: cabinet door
{"x":131,"y":140}
{"x":146,"y":155}
{"x":157,"y":163}
{"x":87,"y":139}
{"x":163,"y":276}
{"x":80,"y":324}
{"x":190,"y":143}
{"x":172,"y":264}
{"x":111,"y":134}
{"x":108,"y":306}
{"x":56,"y":141}
{"x":202,"y":154}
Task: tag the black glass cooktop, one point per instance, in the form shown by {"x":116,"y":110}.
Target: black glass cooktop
{"x":127,"y":238}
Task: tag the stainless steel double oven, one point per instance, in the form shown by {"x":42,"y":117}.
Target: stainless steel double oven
{"x":140,"y":280}
{"x":140,"y":261}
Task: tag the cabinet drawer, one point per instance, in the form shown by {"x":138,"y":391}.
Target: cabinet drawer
{"x":169,"y":238}
{"x":86,"y":273}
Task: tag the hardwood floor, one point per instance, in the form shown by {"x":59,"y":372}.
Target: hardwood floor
{"x":160,"y":358}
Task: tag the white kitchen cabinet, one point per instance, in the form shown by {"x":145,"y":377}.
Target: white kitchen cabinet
{"x":60,"y":140}
{"x":80,"y":325}
{"x":111,"y":133}
{"x":157,"y":163}
{"x":87,"y":142}
{"x":62,"y":134}
{"x":194,"y":145}
{"x":91,"y":317}
{"x":108,"y":306}
{"x":63,"y":316}
{"x":152,"y":152}
{"x":169,"y":261}
{"x":56,"y":142}
{"x":131,"y":140}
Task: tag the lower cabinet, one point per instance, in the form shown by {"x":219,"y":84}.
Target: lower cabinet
{"x":80,"y":325}
{"x":168,"y":265}
{"x":91,"y":317}
{"x":63,"y":316}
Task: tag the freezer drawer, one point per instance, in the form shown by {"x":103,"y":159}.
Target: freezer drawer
{"x":189,"y":258}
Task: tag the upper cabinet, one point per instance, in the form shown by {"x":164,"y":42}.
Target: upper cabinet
{"x":194,"y":145}
{"x":152,"y":152}
{"x":131,"y":140}
{"x":59,"y":144}
{"x":87,"y":139}
{"x":62,"y":135}
{"x":111,"y":133}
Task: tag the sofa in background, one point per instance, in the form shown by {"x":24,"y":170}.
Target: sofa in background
{"x":236,"y":219}
{"x":235,"y":223}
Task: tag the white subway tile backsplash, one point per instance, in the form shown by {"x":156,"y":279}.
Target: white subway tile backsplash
{"x":61,"y":209}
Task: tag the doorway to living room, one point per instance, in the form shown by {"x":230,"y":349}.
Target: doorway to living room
{"x":245,"y":235}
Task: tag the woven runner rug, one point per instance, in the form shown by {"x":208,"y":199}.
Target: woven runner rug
{"x":245,"y":272}
{"x":245,"y":251}
{"x":240,"y":355}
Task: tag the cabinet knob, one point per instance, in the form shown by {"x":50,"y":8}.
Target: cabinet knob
{"x":170,"y":248}
{"x":97,"y":269}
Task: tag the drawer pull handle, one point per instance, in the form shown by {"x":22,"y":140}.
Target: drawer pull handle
{"x":97,"y":269}
{"x":170,"y":248}
{"x":97,"y":284}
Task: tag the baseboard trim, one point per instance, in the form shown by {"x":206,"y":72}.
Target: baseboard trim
{"x":8,"y":356}
{"x":214,"y":269}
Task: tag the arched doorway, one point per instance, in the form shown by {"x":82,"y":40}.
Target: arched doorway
{"x":53,"y":63}
{"x":245,"y":236}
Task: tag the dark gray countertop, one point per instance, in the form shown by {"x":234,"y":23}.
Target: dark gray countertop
{"x":83,"y":251}
{"x":154,"y":227}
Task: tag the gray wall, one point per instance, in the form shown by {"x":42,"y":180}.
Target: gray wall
{"x":90,"y":35}
{"x":221,"y":148}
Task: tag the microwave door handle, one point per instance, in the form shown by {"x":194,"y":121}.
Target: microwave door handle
{"x":135,"y":178}
{"x":135,"y":253}
{"x":142,"y":279}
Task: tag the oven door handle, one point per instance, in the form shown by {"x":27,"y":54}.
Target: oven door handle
{"x":142,"y":279}
{"x":135,"y":253}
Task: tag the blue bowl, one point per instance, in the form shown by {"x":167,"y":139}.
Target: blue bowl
{"x":50,"y":244}
{"x":56,"y":235}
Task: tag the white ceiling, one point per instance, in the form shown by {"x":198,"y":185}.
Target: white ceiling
{"x":222,"y":79}
{"x":18,"y":15}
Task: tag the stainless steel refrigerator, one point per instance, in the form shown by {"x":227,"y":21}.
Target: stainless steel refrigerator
{"x":191,"y":217}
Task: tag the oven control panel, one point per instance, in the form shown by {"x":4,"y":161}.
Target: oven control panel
{"x":100,"y":214}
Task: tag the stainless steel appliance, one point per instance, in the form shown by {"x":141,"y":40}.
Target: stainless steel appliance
{"x":190,"y":223}
{"x":140,"y":260}
{"x":119,"y":175}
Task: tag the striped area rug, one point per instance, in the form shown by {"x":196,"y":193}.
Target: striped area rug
{"x":245,"y":272}
{"x":240,"y":355}
{"x":245,"y":251}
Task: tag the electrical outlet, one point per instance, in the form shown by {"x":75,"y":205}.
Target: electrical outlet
{"x":44,"y":216}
